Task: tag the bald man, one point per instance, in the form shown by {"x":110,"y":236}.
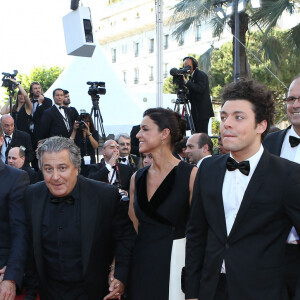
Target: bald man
{"x":15,"y":138}
{"x":109,"y":170}
{"x":198,"y":147}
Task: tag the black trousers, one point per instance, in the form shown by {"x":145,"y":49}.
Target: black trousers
{"x":292,"y":269}
{"x":222,"y":290}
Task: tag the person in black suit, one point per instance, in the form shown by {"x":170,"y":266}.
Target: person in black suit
{"x":15,"y":138}
{"x":198,"y":94}
{"x":243,"y":207}
{"x":76,"y":227}
{"x":67,"y":102}
{"x":124,"y":142}
{"x":109,"y":170}
{"x":39,"y":105}
{"x":134,"y":140}
{"x":13,"y":234}
{"x":285,"y":143}
{"x":57,"y":120}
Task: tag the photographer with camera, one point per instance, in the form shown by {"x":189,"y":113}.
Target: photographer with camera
{"x":86,"y":137}
{"x":198,"y":95}
{"x":21,"y":110}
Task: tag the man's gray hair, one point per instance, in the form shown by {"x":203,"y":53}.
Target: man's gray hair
{"x":57,"y":144}
{"x":124,"y":135}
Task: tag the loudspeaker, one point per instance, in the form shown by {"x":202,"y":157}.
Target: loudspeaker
{"x":79,"y":32}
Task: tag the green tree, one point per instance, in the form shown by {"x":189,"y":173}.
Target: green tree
{"x":188,"y":13}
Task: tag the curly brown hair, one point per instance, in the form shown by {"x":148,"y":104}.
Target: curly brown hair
{"x":257,"y":94}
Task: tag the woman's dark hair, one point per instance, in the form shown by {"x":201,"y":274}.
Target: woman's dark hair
{"x":167,"y":118}
{"x":16,"y":105}
{"x":87,"y":117}
{"x":257,"y":94}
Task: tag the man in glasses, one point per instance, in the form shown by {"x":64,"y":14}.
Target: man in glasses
{"x":285,"y":143}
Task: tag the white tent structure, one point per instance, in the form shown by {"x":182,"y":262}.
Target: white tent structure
{"x":119,"y":107}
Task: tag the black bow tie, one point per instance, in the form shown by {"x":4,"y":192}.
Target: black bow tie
{"x":35,"y":100}
{"x":7,"y":136}
{"x":122,"y":159}
{"x":243,"y":166}
{"x":61,"y":107}
{"x":294,"y":141}
{"x":67,"y":199}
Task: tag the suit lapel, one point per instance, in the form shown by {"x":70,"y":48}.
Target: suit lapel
{"x":279,"y":141}
{"x":89,"y":212}
{"x":37,"y":211}
{"x":254,"y":185}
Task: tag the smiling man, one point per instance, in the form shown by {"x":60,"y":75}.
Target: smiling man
{"x":243,"y":208}
{"x":77,"y":226}
{"x":285,"y":143}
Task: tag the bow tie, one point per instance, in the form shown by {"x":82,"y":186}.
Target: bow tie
{"x":67,"y":199}
{"x":35,"y":100}
{"x":123,"y":159}
{"x":243,"y":166}
{"x":61,"y":107}
{"x":294,"y":141}
{"x":7,"y":136}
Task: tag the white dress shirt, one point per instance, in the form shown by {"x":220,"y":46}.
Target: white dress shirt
{"x":112,"y":176}
{"x":234,"y":187}
{"x":65,"y":118}
{"x":6,"y":142}
{"x":292,"y":154}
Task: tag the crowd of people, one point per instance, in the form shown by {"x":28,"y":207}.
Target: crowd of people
{"x":161,"y":216}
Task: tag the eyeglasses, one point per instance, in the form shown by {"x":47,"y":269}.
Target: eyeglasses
{"x":291,"y":99}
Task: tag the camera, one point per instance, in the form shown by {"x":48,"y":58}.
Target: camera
{"x":81,"y":120}
{"x":96,"y":88}
{"x":7,"y":83}
{"x":177,"y":75}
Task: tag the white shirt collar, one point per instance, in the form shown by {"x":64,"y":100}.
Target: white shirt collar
{"x":200,"y":161}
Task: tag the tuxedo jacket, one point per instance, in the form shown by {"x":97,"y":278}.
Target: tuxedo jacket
{"x":53,"y":123}
{"x":106,"y":232}
{"x":199,"y":96}
{"x":273,"y":141}
{"x":255,"y":247}
{"x":13,"y":234}
{"x":21,"y":138}
{"x":100,"y":172}
{"x":37,"y":121}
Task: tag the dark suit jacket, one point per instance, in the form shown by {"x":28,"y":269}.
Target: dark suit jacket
{"x":106,"y":231}
{"x":13,"y":235}
{"x":37,"y":121}
{"x":198,"y":95}
{"x":273,"y":141}
{"x":22,"y":138}
{"x":53,"y":123}
{"x":254,"y":250}
{"x":134,"y":140}
{"x":100,"y":172}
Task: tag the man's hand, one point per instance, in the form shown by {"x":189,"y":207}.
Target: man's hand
{"x":41,"y":98}
{"x":114,"y":158}
{"x":7,"y":290}
{"x":2,"y":271}
{"x":116,"y":289}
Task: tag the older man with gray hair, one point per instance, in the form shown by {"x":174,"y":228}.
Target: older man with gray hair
{"x":76,"y":227}
{"x":123,"y":139}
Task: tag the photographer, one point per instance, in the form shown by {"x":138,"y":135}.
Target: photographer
{"x":21,"y":110}
{"x":198,"y":86}
{"x":86,"y":137}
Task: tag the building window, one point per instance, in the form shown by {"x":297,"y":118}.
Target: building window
{"x":151,"y":73}
{"x":166,"y":41}
{"x":151,"y":45}
{"x":181,"y":40}
{"x":124,"y":49}
{"x":125,"y":76}
{"x":165,"y":74}
{"x":136,"y":49}
{"x":198,"y":33}
{"x":136,"y":76}
{"x":113,"y":55}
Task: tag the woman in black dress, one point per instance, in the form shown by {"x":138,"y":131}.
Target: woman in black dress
{"x":86,"y":137}
{"x":160,"y":196}
{"x":21,"y":110}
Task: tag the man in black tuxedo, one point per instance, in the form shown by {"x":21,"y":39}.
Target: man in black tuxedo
{"x":57,"y":120}
{"x":109,"y":170}
{"x":67,"y":102}
{"x":15,"y":138}
{"x":243,"y":207}
{"x":13,"y":234}
{"x":125,"y":157}
{"x":76,"y":226}
{"x":285,"y":143}
{"x":198,"y":94}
